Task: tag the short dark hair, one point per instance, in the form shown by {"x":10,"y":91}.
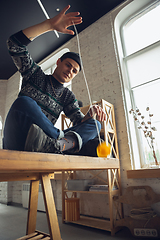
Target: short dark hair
{"x":72,"y":55}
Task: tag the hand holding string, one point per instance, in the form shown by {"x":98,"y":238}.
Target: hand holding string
{"x":98,"y":111}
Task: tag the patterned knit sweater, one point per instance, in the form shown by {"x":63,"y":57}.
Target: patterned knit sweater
{"x":38,"y":86}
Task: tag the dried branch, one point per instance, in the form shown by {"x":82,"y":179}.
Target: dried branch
{"x":146,"y":127}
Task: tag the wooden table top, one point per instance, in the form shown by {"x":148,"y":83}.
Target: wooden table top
{"x":20,"y":162}
{"x":22,"y":166}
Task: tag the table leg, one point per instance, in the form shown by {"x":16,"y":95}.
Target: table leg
{"x":32,"y":208}
{"x":63,"y":197}
{"x":50,"y":208}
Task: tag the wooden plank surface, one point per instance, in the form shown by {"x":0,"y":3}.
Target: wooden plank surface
{"x":6,"y":177}
{"x":16,"y":161}
{"x":36,"y":235}
{"x":50,"y":208}
{"x":144,"y":173}
{"x":40,"y":236}
{"x":9,"y":176}
{"x":27,"y":236}
{"x":94,"y":222}
{"x":32,"y":208}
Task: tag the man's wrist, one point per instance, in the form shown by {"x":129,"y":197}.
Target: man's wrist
{"x":86,"y":117}
{"x":37,"y":30}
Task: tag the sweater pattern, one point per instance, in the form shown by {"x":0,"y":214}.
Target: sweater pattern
{"x":36,"y":84}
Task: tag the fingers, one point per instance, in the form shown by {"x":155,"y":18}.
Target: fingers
{"x":64,"y":10}
{"x":64,"y":20}
{"x":101,"y":115}
{"x":73,"y":19}
{"x":76,"y":20}
{"x":67,"y":31}
{"x":71,"y":15}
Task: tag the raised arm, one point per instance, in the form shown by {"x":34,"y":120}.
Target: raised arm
{"x":60,"y":23}
{"x":17,"y":43}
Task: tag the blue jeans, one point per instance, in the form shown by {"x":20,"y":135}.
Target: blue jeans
{"x":24,"y":112}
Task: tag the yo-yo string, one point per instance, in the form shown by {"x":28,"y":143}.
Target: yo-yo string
{"x":47,"y":16}
{"x":100,"y":148}
{"x":89,"y":95}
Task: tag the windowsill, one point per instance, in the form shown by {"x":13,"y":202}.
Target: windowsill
{"x":144,"y":173}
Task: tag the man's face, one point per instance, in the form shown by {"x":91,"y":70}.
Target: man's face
{"x":66,"y":70}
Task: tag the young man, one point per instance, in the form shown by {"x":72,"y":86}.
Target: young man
{"x":30,"y":122}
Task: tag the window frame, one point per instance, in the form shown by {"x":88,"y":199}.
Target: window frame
{"x":128,"y":11}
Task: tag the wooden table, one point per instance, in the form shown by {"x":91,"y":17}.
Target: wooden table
{"x":20,"y":166}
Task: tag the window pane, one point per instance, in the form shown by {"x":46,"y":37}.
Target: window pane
{"x":142,"y":32}
{"x":149,"y":96}
{"x":144,"y":67}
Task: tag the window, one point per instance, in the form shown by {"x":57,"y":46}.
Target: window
{"x":140,"y":37}
{"x":0,"y":123}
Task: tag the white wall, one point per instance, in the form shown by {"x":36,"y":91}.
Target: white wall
{"x":8,"y":93}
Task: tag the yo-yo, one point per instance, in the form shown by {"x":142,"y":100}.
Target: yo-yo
{"x":103,"y":150}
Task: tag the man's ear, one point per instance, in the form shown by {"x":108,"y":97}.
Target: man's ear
{"x":58,"y":61}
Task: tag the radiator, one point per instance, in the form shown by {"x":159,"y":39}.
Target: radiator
{"x":25,"y":197}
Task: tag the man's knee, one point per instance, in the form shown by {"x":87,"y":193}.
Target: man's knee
{"x":23,"y":101}
{"x":25,"y":105}
{"x":95,"y":123}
